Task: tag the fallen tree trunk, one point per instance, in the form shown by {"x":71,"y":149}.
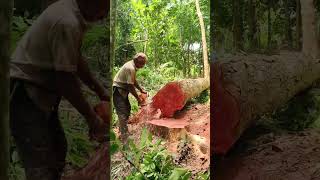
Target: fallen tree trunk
{"x":174,"y":95}
{"x":246,"y":87}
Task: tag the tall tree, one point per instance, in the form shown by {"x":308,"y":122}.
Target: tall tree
{"x":252,"y":22}
{"x":288,"y":24}
{"x":204,"y":41}
{"x":269,"y":24}
{"x":6,"y":7}
{"x":237,"y":34}
{"x":298,"y":25}
{"x":310,"y":44}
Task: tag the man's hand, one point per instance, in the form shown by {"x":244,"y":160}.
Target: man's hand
{"x":98,"y":129}
{"x":140,"y":101}
{"x":104,"y":96}
{"x":143,"y":91}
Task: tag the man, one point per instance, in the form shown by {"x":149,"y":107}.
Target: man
{"x":124,"y":83}
{"x":46,"y":65}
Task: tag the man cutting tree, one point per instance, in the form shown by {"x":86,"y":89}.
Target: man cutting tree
{"x":47,"y":65}
{"x":124,"y":83}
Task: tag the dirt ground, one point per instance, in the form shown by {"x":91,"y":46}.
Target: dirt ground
{"x":188,"y":139}
{"x":286,"y":156}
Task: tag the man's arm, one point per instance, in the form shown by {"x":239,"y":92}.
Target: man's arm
{"x":69,"y":87}
{"x":132,"y":90}
{"x":88,"y":78}
{"x":138,"y":87}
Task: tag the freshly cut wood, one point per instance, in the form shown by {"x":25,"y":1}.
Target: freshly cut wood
{"x":246,"y":87}
{"x":174,"y":95}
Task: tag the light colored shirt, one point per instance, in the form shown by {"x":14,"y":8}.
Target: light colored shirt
{"x":51,"y":44}
{"x":124,"y":77}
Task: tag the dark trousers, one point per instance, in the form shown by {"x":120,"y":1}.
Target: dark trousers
{"x":39,"y":137}
{"x":123,"y":108}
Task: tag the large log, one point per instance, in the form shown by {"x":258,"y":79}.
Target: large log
{"x":174,"y":95}
{"x":245,"y":87}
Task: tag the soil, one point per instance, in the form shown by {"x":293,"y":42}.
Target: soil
{"x":272,"y":156}
{"x":189,"y":137}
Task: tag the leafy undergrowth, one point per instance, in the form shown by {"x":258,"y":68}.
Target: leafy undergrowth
{"x":148,"y":159}
{"x":302,"y":112}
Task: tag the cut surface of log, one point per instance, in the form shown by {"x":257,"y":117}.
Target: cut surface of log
{"x":174,"y":95}
{"x":246,"y":87}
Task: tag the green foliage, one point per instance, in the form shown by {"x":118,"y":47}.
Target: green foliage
{"x":164,"y":30}
{"x":16,"y":171}
{"x":19,"y":26}
{"x":152,"y":161}
{"x":79,"y":145}
{"x":180,"y":174}
{"x":301,"y":112}
{"x":203,"y":97}
{"x":97,"y":35}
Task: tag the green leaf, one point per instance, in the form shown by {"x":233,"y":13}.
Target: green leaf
{"x":114,"y":148}
{"x":144,"y":138}
{"x":179,"y":174}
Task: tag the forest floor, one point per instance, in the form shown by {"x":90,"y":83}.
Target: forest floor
{"x":187,"y":140}
{"x":268,"y":153}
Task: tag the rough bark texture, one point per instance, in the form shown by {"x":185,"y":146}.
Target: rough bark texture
{"x":246,"y":87}
{"x":308,"y":15}
{"x":5,"y":19}
{"x":204,"y":42}
{"x":174,"y":95}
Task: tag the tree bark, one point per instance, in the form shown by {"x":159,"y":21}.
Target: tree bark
{"x":298,"y":25}
{"x":6,"y":8}
{"x":308,"y":15}
{"x":247,"y":87}
{"x":204,"y":42}
{"x":174,"y":95}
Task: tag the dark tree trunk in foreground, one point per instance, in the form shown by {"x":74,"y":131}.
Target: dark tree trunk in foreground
{"x":246,"y":87}
{"x":5,"y":21}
